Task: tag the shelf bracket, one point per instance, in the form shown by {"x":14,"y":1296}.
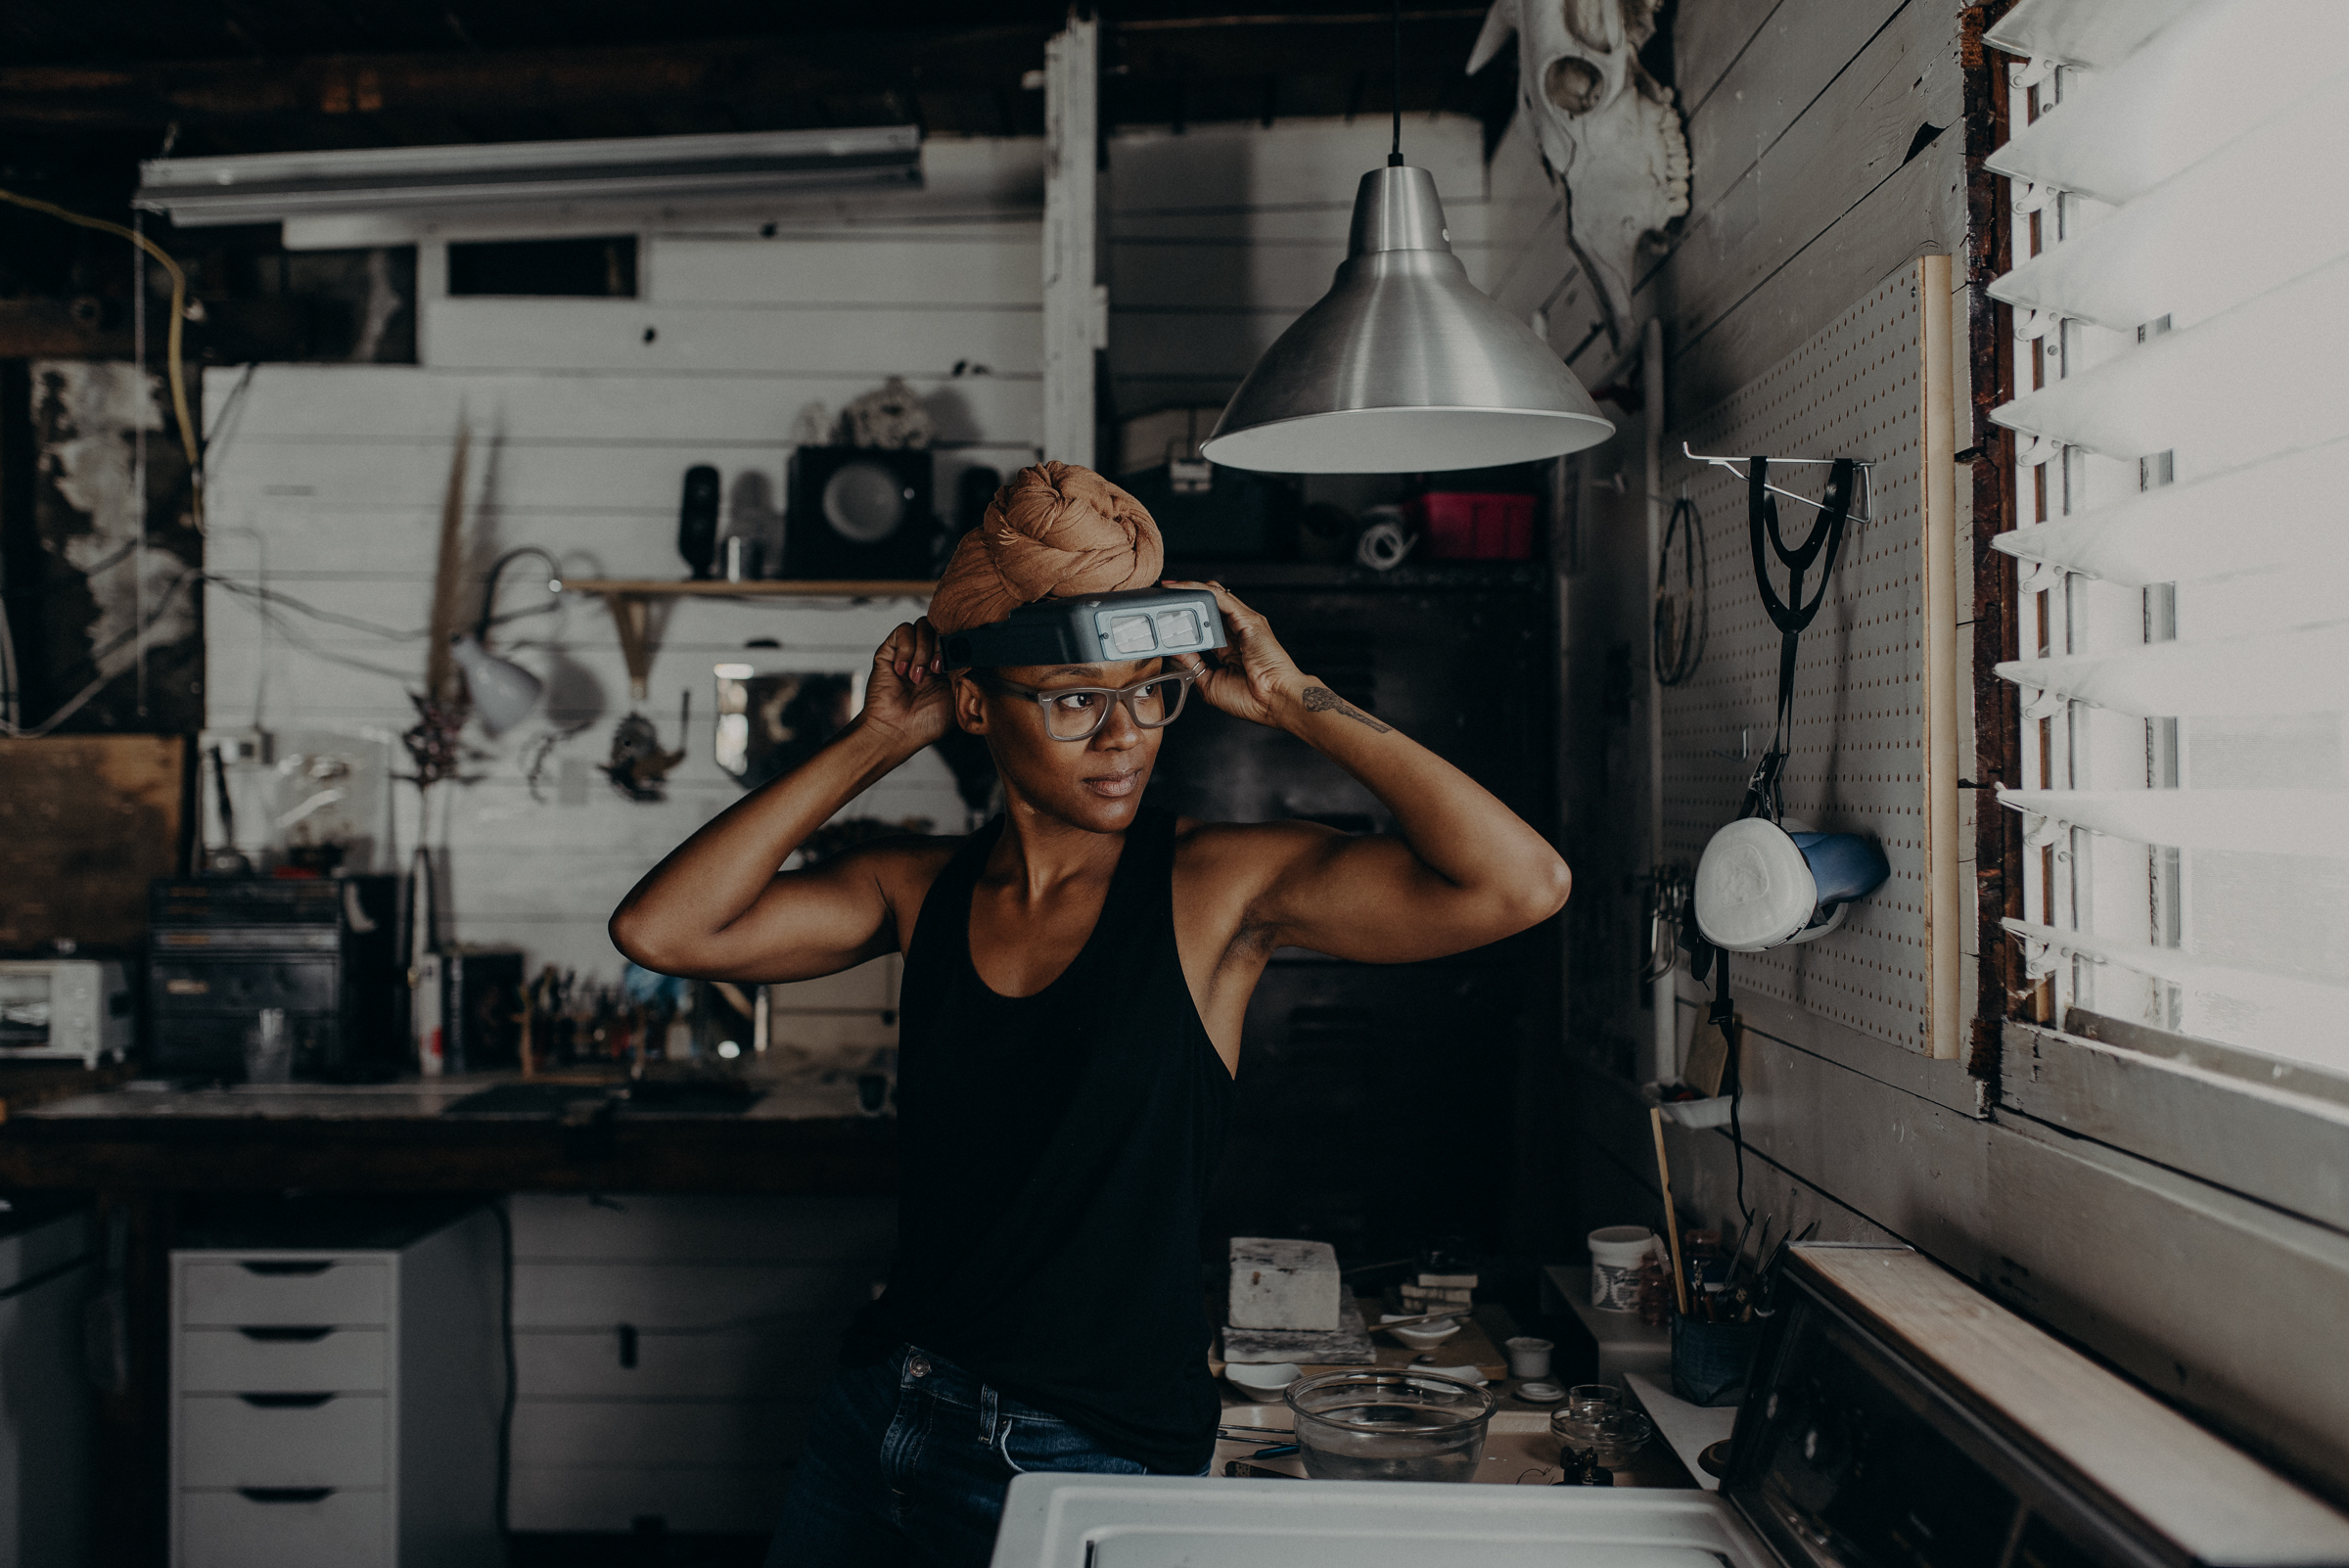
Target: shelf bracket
{"x":633,"y":619}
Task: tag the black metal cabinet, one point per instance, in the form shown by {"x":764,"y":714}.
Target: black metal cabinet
{"x":1372,"y":1110}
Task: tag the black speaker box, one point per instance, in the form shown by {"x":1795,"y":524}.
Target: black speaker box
{"x":858,"y":512}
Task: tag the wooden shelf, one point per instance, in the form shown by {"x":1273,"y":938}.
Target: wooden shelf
{"x":719,"y":587}
{"x":630,"y":601}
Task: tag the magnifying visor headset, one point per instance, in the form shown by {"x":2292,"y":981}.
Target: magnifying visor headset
{"x":1095,"y":629}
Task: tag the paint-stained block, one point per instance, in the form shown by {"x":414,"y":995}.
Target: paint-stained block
{"x":1283,"y":1284}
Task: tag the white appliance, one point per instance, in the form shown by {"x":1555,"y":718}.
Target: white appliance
{"x":1899,"y":1419}
{"x":77,"y":1009}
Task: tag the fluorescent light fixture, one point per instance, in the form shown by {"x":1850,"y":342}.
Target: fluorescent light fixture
{"x":270,"y":187}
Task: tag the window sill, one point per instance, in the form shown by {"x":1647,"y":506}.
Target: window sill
{"x":2280,"y":1146}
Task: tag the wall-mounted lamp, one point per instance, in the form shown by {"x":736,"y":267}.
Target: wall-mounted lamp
{"x":503,"y":692}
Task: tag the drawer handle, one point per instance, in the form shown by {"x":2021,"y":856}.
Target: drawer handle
{"x":287,"y":1267}
{"x":286,"y":1493}
{"x":285,"y":1402}
{"x":286,"y":1336}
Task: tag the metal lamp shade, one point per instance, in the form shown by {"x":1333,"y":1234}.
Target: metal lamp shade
{"x":503,"y":692}
{"x":1405,"y":366}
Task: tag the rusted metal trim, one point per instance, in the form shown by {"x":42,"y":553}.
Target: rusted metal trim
{"x":1998,"y":715}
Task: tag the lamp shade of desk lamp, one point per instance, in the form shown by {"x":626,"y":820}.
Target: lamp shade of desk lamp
{"x":1403,"y":366}
{"x":503,"y":692}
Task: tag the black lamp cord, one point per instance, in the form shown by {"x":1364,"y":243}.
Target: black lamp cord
{"x":1395,"y":155}
{"x":554,"y":572}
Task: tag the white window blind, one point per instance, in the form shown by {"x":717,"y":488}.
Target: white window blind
{"x":2180,"y":174}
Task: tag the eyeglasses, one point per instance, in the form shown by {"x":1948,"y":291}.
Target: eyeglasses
{"x":1077,"y":712}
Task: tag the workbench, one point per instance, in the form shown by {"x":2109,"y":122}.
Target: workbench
{"x":803,"y":1136}
{"x":144,"y":1151}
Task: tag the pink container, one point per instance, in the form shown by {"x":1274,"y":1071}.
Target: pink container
{"x":1469,"y":526}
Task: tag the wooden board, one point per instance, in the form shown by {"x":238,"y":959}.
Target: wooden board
{"x":86,"y":822}
{"x":2211,"y":1498}
{"x":1477,"y":1344}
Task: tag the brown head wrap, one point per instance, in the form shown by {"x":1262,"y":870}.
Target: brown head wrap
{"x":1055,"y":532}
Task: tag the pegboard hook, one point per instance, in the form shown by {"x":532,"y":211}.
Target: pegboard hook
{"x":1865,"y":497}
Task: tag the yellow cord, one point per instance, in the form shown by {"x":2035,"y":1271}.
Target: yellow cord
{"x":179,"y":302}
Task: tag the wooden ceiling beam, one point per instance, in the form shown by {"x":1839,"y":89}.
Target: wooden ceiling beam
{"x":213,"y":92}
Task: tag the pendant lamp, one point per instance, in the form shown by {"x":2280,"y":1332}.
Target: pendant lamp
{"x":1405,"y":366}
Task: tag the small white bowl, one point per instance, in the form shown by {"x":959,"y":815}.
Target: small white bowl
{"x":1262,"y":1377}
{"x":1425,"y":1336}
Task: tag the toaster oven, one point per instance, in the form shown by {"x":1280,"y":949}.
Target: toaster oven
{"x":76,"y":1009}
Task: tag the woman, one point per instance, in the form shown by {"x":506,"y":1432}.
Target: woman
{"x":1076,"y":974}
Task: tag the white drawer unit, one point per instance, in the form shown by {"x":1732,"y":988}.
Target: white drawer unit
{"x":337,"y":1405}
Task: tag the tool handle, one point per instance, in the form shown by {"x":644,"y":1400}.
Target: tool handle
{"x":1672,"y":1221}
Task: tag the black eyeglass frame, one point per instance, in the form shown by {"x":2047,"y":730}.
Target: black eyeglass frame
{"x":1119,"y":697}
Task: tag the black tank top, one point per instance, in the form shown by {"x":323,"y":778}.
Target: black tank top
{"x":1056,"y":1152}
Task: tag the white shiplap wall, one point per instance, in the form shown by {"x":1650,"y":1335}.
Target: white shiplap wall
{"x":326,"y":484}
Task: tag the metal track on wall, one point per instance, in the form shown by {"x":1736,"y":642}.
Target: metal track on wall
{"x":1855,"y":389}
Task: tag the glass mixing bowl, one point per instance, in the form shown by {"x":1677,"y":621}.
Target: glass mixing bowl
{"x":1390,"y":1425}
{"x":1616,"y":1434}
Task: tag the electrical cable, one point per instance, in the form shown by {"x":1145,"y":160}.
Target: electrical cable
{"x":82,"y":699}
{"x":1395,"y":153}
{"x":179,"y":304}
{"x":1680,"y":637}
{"x":265,"y":603}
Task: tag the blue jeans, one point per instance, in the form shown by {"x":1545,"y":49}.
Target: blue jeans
{"x":907,"y":1461}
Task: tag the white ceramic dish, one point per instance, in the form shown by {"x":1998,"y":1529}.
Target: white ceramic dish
{"x":1461,"y":1374}
{"x":1423,"y":1336}
{"x":1260,"y":1377}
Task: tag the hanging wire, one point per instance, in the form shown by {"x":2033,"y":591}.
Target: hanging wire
{"x":138,"y":459}
{"x":179,"y":306}
{"x":1680,"y":633}
{"x":1395,"y":153}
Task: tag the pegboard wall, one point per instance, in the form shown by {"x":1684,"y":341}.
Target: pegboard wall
{"x":1857,"y":762}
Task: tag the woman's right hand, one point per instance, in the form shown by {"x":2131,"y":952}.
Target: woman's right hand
{"x":908,"y":695}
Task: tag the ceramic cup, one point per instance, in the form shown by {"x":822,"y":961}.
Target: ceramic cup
{"x":1616,"y":1253}
{"x":1528,"y":1357}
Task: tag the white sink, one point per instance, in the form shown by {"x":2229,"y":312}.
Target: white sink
{"x":1056,"y":1521}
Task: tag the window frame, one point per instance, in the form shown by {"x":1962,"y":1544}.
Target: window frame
{"x":2273,"y":1131}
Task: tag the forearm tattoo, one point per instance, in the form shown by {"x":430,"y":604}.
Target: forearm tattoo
{"x":1321,"y":699}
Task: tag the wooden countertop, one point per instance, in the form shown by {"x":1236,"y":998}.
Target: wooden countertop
{"x":803,"y":1136}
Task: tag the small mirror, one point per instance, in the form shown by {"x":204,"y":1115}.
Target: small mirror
{"x":772,"y":721}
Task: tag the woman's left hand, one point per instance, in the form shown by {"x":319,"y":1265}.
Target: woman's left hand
{"x":1253,"y":677}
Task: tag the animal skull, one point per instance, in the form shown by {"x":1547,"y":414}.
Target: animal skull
{"x":1607,"y":130}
